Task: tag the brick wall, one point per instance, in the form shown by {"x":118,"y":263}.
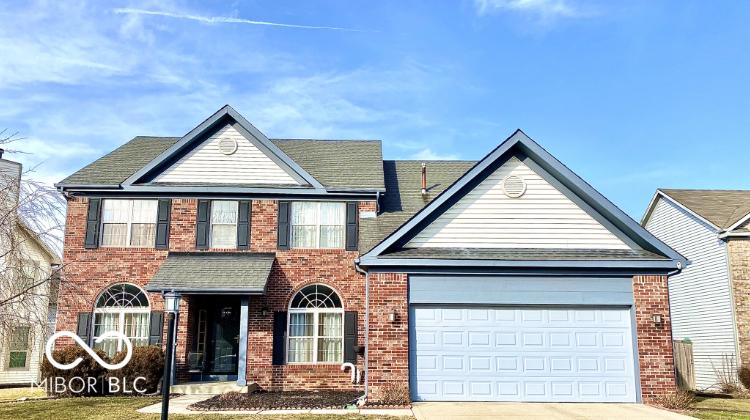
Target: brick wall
{"x":654,"y":341}
{"x":739,"y":271}
{"x":88,"y":272}
{"x":388,"y":352}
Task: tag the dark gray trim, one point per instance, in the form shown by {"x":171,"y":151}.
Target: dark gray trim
{"x":248,"y":130}
{"x":206,"y":290}
{"x":636,"y":358}
{"x":215,"y":193}
{"x":369,"y":261}
{"x":578,"y":201}
{"x":520,"y":141}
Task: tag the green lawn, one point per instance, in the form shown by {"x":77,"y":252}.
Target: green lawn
{"x":721,"y":409}
{"x":124,"y":408}
{"x":12,"y":394}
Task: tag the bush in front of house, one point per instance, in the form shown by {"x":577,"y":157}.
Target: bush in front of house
{"x":743,"y":374}
{"x":680,"y":400}
{"x":144,"y":371}
{"x":86,"y":379}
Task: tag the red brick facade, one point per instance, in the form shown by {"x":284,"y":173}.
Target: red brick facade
{"x":655,"y":356}
{"x":88,"y":272}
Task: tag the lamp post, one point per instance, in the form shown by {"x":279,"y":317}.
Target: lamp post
{"x":171,"y":306}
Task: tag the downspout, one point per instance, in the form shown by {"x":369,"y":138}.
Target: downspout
{"x":363,"y":399}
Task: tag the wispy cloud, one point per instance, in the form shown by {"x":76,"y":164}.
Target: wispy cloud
{"x":545,"y":10}
{"x":429,"y":154}
{"x":225,"y":19}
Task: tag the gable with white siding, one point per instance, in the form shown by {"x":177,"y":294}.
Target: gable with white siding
{"x":543,"y":217}
{"x":208,"y":164}
{"x":700,"y":297}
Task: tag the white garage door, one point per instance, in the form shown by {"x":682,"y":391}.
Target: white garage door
{"x":521,"y":354}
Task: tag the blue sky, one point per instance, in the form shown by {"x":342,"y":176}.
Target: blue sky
{"x":631,"y":95}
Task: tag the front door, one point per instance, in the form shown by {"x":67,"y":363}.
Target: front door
{"x":224,"y":340}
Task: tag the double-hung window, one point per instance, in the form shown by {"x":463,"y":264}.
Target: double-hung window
{"x":316,"y":328}
{"x":224,"y":224}
{"x":129,"y":223}
{"x":318,"y":224}
{"x":19,"y":347}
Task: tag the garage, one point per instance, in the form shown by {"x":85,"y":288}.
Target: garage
{"x":470,"y":353}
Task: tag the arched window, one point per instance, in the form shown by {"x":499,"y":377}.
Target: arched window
{"x":316,"y":326}
{"x":124,"y":308}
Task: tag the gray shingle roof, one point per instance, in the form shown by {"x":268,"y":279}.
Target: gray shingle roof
{"x":524,"y":254}
{"x":403,"y":197}
{"x":213,"y":271}
{"x":723,"y":208}
{"x":337,"y":164}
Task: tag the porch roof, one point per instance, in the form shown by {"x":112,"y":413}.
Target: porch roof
{"x":213,"y":272}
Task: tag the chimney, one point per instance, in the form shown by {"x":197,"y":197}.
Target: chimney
{"x":424,"y":178}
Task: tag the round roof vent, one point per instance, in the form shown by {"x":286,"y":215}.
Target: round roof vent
{"x":228,"y":145}
{"x":514,"y":186}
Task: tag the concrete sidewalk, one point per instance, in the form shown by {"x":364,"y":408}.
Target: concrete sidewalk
{"x":180,"y":405}
{"x":476,"y":411}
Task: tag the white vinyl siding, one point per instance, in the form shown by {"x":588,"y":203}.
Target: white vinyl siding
{"x":207,"y":164}
{"x":543,"y":217}
{"x":700,"y":296}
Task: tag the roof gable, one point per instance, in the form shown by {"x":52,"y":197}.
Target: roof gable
{"x":224,"y":117}
{"x":554,"y":172}
{"x":724,"y":209}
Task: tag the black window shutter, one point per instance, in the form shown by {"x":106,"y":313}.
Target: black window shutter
{"x":279,"y":337}
{"x":283,"y":224}
{"x":350,"y":337}
{"x":162,"y":224}
{"x":155,"y":328}
{"x":84,"y":326}
{"x":202,"y":226}
{"x":92,"y":223}
{"x":243,"y":225}
{"x":352,"y":228}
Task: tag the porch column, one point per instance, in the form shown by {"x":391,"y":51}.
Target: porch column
{"x":242,"y":354}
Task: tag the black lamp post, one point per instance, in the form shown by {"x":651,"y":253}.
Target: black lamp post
{"x":171,"y":306}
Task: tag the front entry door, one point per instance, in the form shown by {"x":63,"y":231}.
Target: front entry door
{"x":225,"y":339}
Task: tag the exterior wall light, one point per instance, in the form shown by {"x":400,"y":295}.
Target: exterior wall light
{"x":393,"y":316}
{"x":657,"y":318}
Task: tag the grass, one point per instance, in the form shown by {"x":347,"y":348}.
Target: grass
{"x":124,"y":408}
{"x":12,"y":394}
{"x":721,"y":409}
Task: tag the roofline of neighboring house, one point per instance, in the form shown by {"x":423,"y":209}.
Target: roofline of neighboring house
{"x":40,"y":242}
{"x":660,"y":193}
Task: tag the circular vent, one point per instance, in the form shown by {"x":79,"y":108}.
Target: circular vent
{"x":227,"y":146}
{"x":514,"y":186}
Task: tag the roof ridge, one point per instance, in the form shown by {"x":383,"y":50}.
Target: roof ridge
{"x":327,"y":140}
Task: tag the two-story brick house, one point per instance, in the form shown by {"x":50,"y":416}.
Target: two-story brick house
{"x":507,"y":279}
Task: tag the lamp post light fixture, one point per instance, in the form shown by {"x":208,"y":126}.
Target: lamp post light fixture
{"x":171,"y":307}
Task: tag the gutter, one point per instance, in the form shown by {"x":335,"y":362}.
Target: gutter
{"x":363,"y":399}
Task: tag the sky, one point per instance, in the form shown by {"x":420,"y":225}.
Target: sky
{"x":631,"y":95}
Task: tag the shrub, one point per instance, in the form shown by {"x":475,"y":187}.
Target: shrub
{"x":394,"y":394}
{"x":681,"y":400}
{"x":743,"y":374}
{"x":147,"y":362}
{"x":726,"y":376}
{"x":88,"y":368}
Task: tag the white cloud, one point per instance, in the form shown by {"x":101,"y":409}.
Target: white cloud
{"x":544,"y":10}
{"x":429,"y":154}
{"x":223,"y":19}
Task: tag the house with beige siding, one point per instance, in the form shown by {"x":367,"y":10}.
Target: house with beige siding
{"x":710,"y":298}
{"x":27,"y":320}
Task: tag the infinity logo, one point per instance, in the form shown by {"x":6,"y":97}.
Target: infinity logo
{"x":89,"y":350}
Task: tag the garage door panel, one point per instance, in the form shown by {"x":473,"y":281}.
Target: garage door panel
{"x":511,"y":354}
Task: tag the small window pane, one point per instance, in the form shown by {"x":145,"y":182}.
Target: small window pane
{"x":301,"y":325}
{"x":18,"y":347}
{"x":143,"y":235}
{"x":136,"y":325}
{"x":332,"y":214}
{"x":329,"y":325}
{"x":224,"y":236}
{"x":224,"y":212}
{"x":300,"y":350}
{"x":115,"y":211}
{"x":304,"y":213}
{"x":17,"y":359}
{"x":332,"y":236}
{"x":144,"y":211}
{"x":329,"y":350}
{"x":114,"y":234}
{"x":304,"y":236}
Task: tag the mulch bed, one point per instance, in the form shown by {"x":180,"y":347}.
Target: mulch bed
{"x":287,"y":400}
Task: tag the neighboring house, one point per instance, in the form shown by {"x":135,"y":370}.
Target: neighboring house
{"x":507,"y":279}
{"x":710,"y":298}
{"x":26,"y":320}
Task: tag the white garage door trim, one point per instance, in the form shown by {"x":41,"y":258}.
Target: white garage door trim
{"x":514,"y":353}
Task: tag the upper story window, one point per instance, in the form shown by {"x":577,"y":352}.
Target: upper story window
{"x":129,"y":223}
{"x":124,"y":308}
{"x":318,"y":224}
{"x":224,"y":224}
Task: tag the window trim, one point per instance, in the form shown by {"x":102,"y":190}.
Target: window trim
{"x":28,"y":350}
{"x":122,"y":311}
{"x":317,"y":225}
{"x":129,"y":224}
{"x":211,"y":224}
{"x":316,"y":323}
